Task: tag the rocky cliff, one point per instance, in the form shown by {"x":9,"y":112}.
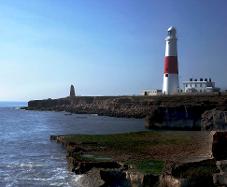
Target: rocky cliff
{"x":122,"y":106}
{"x":160,"y":111}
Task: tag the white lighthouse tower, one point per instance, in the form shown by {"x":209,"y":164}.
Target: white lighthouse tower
{"x":170,"y":77}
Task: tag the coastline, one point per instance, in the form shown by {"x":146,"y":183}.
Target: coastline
{"x":182,"y":112}
{"x":143,"y":158}
{"x":154,"y":158}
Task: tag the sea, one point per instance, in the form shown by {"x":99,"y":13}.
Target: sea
{"x":29,"y":158}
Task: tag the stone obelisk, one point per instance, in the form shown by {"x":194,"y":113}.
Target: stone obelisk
{"x":72,"y":91}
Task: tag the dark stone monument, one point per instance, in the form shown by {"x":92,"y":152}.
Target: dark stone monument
{"x":72,"y":91}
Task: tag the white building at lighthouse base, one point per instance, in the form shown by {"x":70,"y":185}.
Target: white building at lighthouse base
{"x":199,"y":86}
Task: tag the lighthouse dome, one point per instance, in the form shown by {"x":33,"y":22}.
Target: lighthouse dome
{"x":172,"y":32}
{"x":172,"y":29}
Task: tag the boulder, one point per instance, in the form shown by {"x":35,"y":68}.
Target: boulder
{"x":192,"y":174}
{"x":219,"y":145}
{"x":214,"y":120}
{"x":114,"y":177}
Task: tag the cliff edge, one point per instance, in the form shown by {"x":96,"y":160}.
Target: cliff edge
{"x":128,"y":106}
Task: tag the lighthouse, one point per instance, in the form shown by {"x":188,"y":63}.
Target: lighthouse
{"x":170,"y":76}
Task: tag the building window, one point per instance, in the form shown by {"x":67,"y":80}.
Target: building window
{"x":195,"y":85}
{"x":201,"y":85}
{"x":186,"y":85}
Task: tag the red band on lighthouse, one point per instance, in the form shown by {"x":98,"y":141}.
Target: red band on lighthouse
{"x":171,"y":65}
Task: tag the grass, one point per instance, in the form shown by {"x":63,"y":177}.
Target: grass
{"x":136,"y":141}
{"x":148,"y":166}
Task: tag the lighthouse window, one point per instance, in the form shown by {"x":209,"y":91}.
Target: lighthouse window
{"x":166,"y":75}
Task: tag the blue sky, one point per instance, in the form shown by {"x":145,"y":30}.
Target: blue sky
{"x":106,"y":47}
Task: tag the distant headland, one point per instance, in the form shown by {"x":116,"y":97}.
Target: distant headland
{"x":175,"y":111}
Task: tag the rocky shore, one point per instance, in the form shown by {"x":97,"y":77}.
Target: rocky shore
{"x":155,"y":158}
{"x":160,"y":112}
{"x":129,"y":106}
{"x":122,"y":106}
